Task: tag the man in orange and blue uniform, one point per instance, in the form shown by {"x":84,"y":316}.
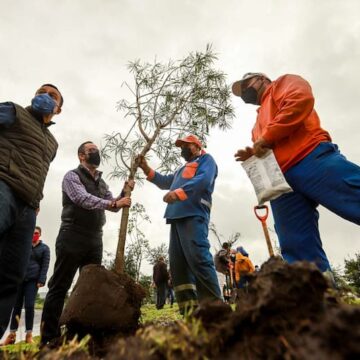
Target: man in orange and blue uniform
{"x":313,"y":166}
{"x":188,"y":211}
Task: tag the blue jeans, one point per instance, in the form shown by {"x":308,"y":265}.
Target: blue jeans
{"x":171,"y":295}
{"x":25,"y":296}
{"x":323,"y":177}
{"x":191,"y":263}
{"x":17,"y":223}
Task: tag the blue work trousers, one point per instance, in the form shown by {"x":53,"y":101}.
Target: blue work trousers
{"x":191,"y":263}
{"x":323,"y":177}
{"x":17,"y":223}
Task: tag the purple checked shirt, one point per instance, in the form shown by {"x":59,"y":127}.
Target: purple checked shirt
{"x":77,"y":193}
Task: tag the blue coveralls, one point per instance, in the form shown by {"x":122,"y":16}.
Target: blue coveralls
{"x":191,"y":263}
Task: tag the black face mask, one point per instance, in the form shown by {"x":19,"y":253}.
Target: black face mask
{"x":93,"y":158}
{"x":186,"y":153}
{"x":250,"y":96}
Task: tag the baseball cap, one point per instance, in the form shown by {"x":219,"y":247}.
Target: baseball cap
{"x":236,"y":87}
{"x":189,"y":139}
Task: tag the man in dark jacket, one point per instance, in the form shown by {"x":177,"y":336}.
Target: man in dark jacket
{"x":86,"y":196}
{"x":26,"y":149}
{"x":35,"y":278}
{"x":160,"y":277}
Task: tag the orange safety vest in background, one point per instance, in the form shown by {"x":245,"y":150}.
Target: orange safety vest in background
{"x":243,"y":266}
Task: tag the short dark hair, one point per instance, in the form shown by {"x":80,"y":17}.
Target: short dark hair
{"x":38,"y":228}
{"x":225,"y":245}
{"x":53,"y":86}
{"x":81,"y":149}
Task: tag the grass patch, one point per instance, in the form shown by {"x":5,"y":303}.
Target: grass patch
{"x":14,"y":351}
{"x":149,"y":314}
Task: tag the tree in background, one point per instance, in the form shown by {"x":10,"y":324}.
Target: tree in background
{"x":233,"y":238}
{"x":169,"y":100}
{"x":352,"y":272}
{"x":156,"y":252}
{"x":145,"y":281}
{"x":138,"y":245}
{"x":341,"y":283}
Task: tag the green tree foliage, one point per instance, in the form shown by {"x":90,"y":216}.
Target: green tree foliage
{"x":352,"y":272}
{"x":145,"y":281}
{"x":169,"y":100}
{"x":154,"y":253}
{"x":341,"y":283}
{"x":138,"y":245}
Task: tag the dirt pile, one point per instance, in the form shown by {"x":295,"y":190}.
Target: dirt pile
{"x":286,"y":314}
{"x":103,"y":303}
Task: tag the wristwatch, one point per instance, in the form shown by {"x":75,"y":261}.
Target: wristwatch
{"x":113,"y":205}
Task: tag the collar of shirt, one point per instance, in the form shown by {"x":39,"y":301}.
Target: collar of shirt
{"x":97,"y":175}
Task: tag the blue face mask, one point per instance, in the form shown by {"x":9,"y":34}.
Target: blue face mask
{"x":43,"y":104}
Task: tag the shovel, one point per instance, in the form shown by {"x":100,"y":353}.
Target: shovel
{"x":263,"y":218}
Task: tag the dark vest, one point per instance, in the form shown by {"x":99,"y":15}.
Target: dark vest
{"x":26,"y":150}
{"x":74,"y":216}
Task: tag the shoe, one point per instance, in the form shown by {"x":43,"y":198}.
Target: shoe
{"x":10,"y":339}
{"x":29,"y":338}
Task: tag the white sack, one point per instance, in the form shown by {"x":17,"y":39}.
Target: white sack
{"x":266,"y":176}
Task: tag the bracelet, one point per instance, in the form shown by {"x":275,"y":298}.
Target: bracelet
{"x":113,"y":205}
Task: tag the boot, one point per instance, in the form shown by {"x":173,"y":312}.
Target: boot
{"x":10,"y":339}
{"x":29,"y":338}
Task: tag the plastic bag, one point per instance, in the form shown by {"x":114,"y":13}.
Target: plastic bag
{"x":266,"y":176}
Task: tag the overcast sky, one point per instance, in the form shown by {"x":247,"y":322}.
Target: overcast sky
{"x":83,"y":47}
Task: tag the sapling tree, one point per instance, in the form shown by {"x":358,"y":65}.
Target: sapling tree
{"x":232,"y":239}
{"x":166,"y":101}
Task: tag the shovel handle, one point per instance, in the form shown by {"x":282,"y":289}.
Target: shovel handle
{"x":261,"y":207}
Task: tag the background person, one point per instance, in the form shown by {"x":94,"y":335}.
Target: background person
{"x":35,"y":278}
{"x":160,"y":277}
{"x":243,"y":267}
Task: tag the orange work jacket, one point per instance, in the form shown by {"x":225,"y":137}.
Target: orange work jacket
{"x":287,"y":120}
{"x":243,"y":266}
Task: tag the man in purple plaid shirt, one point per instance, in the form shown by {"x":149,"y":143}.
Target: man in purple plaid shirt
{"x":86,"y":196}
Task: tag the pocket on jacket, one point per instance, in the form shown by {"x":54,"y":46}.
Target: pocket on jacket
{"x":190,"y":170}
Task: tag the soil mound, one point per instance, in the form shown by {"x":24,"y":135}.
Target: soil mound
{"x":287,"y":314}
{"x":103,"y":303}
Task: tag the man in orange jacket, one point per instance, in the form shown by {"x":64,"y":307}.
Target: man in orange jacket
{"x":243,"y":267}
{"x":313,"y":166}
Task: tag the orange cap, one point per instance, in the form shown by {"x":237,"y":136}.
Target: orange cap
{"x":192,"y":139}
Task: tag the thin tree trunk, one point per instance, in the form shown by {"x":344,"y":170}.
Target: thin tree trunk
{"x":120,"y":251}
